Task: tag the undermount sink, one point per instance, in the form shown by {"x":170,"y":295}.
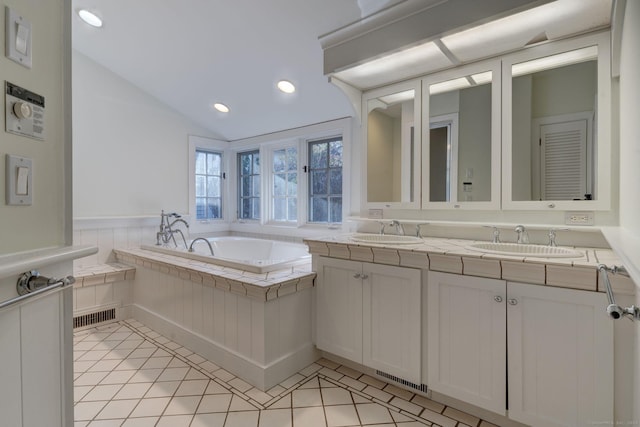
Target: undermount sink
{"x":392,"y":239}
{"x":526,"y":250}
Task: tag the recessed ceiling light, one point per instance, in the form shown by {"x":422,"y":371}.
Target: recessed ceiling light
{"x":221,"y":107}
{"x":90,"y":18}
{"x":286,"y":86}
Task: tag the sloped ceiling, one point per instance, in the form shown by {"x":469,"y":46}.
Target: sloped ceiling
{"x":190,"y":54}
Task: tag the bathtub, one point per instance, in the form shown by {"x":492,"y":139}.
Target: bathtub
{"x":243,"y":253}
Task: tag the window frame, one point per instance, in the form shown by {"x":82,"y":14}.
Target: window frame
{"x":269,"y":150}
{"x":309,"y":194}
{"x":237,"y":175}
{"x":219,"y":147}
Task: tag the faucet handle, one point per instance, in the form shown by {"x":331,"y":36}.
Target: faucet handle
{"x":495,"y":235}
{"x":552,"y":235}
{"x":418,"y":227}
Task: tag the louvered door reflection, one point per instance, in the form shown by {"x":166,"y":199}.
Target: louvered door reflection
{"x":563,"y":154}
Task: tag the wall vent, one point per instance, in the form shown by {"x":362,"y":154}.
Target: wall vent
{"x":93,"y":319}
{"x":420,"y":387}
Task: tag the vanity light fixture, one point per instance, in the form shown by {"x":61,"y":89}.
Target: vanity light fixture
{"x":221,"y":107}
{"x":90,"y":18}
{"x":286,"y":86}
{"x":554,"y":61}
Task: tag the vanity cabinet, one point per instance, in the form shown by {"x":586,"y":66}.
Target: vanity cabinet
{"x":558,"y":344}
{"x":370,"y":314}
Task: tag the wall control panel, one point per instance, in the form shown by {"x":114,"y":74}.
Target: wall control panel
{"x":24,"y":112}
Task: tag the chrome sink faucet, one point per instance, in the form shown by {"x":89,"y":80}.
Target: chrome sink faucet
{"x":399,"y":227}
{"x":523,"y":236}
{"x":167,"y":233}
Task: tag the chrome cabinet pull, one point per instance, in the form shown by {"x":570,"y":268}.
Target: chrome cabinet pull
{"x":512,"y":301}
{"x":365,"y":276}
{"x":497,"y":298}
{"x":356,"y":276}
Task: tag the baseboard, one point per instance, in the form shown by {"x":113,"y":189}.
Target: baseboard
{"x":261,"y":376}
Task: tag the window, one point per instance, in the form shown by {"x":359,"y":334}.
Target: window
{"x":208,"y":188}
{"x":285,"y":184}
{"x":325,"y":181}
{"x":249,"y":185}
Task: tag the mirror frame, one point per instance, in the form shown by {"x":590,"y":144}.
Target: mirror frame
{"x":494,"y":202}
{"x":603,"y":164}
{"x":377,"y":93}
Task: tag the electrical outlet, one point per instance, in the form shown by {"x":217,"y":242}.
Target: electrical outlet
{"x":375,"y":213}
{"x":578,"y":218}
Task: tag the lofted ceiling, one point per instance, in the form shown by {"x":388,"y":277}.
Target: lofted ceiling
{"x":190,"y":54}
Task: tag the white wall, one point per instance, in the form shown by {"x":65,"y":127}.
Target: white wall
{"x":130,"y":152}
{"x":630,"y":154}
{"x":43,"y":223}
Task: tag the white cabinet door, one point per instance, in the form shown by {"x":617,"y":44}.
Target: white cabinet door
{"x":392,"y":320}
{"x":467,"y":339}
{"x":560,"y":357}
{"x":339,"y":307}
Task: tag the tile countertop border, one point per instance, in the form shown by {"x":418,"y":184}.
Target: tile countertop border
{"x":259,"y":286}
{"x":452,"y":256}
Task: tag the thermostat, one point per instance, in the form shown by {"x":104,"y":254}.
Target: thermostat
{"x":24,"y":112}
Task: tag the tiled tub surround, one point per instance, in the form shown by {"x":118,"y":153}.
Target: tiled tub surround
{"x":103,"y":286}
{"x":255,"y":325}
{"x":452,"y":256}
{"x":128,"y":375}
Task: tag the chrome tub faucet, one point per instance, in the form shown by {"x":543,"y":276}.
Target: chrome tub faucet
{"x":167,"y":232}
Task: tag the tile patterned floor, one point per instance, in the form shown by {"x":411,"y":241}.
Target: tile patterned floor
{"x":127,"y":375}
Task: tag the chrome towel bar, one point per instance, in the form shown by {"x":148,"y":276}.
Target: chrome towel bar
{"x":614,"y":310}
{"x":32,"y":283}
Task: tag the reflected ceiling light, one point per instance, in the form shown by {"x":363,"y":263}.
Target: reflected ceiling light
{"x":449,"y":85}
{"x":286,"y":86}
{"x":482,"y":78}
{"x":395,"y":98}
{"x":555,"y":61}
{"x":90,"y":18}
{"x":221,"y":107}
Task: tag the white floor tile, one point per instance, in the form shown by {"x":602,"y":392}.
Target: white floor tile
{"x":182,"y":405}
{"x":85,"y":411}
{"x":192,"y":388}
{"x":133,"y":391}
{"x":209,"y":420}
{"x":336,"y":396}
{"x":117,"y":409}
{"x":215,"y":403}
{"x":163,"y":389}
{"x":341,"y":415}
{"x":309,"y":417}
{"x":242,"y":419}
{"x":175,"y":421}
{"x":106,"y":423}
{"x":151,"y":407}
{"x":306,"y":397}
{"x":102,"y":392}
{"x":275,"y":418}
{"x":372,"y":413}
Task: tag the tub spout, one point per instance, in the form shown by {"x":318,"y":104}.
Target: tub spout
{"x":204,"y":240}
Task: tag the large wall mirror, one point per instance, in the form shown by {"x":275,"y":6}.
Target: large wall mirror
{"x":392,"y":146}
{"x":461,"y":151}
{"x":557,"y":134}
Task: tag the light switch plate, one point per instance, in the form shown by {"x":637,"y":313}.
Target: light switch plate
{"x":18,"y":34}
{"x":16,"y":174}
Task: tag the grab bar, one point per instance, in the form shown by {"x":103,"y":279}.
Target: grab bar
{"x":32,"y":283}
{"x":614,"y":310}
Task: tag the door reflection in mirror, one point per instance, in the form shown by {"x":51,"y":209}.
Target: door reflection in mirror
{"x":460,"y":113}
{"x":390,"y":147}
{"x":554,"y":122}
